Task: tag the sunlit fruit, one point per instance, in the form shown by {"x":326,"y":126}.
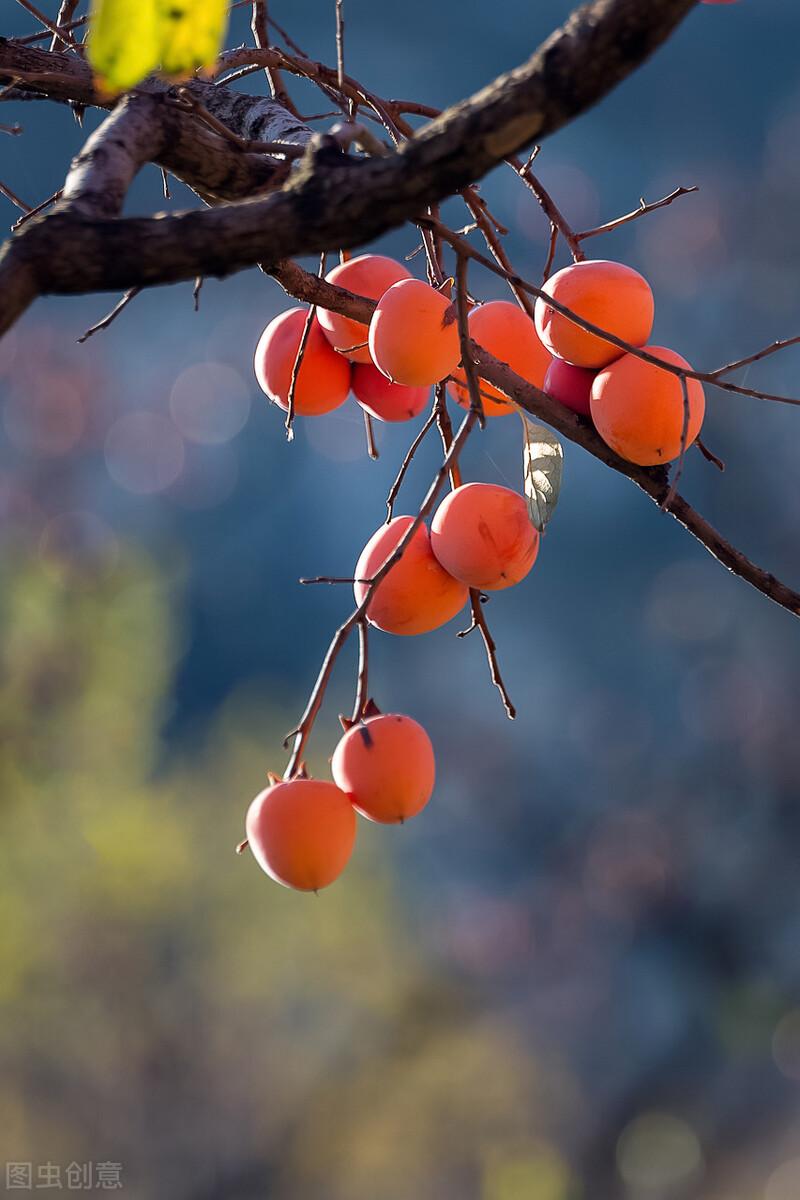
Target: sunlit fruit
{"x":323,"y":380}
{"x":367,"y":275}
{"x":483,"y":535}
{"x":509,"y":334}
{"x":385,"y":765}
{"x":383,"y":399}
{"x":610,"y":295}
{"x":417,"y":594}
{"x":571,"y":386}
{"x":413,"y":334}
{"x":302,"y":832}
{"x":638,"y":409}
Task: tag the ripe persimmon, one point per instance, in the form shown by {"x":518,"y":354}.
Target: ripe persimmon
{"x":571,"y":386}
{"x":323,"y":380}
{"x":301,"y":832}
{"x":386,"y":767}
{"x":417,"y":594}
{"x":383,"y":399}
{"x":367,"y":275}
{"x":610,"y":295}
{"x":509,"y":334}
{"x":638,"y":409}
{"x":483,"y":535}
{"x":413,"y":334}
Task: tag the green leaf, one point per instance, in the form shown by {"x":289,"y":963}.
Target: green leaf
{"x":543,"y":462}
{"x":130,"y":38}
{"x":123,"y":44}
{"x":191,"y":33}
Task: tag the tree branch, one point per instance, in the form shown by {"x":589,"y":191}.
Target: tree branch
{"x":330,"y":201}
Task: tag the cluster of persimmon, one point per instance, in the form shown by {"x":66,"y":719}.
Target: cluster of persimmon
{"x":638,"y":408}
{"x":481,"y":537}
{"x":302,"y":831}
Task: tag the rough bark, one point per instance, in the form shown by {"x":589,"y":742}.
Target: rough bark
{"x":331,"y":200}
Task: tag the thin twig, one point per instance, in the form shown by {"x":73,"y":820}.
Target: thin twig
{"x":678,"y":471}
{"x":6,"y":191}
{"x":479,"y":622}
{"x":709,"y":455}
{"x":65,"y":14}
{"x":54,"y":28}
{"x":548,"y":206}
{"x":772,"y":348}
{"x":476,"y":607}
{"x":259,"y":24}
{"x":362,"y":684}
{"x":462,"y":315}
{"x":641,"y":211}
{"x":298,"y":360}
{"x":112,"y":316}
{"x":35,"y":211}
{"x":406,"y":463}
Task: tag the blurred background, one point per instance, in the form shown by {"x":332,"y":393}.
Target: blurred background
{"x":577,"y":974}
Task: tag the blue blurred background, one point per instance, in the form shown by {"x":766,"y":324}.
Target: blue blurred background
{"x":576,"y":974}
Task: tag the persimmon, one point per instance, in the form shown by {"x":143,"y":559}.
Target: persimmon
{"x":610,"y":295}
{"x":483,"y":535}
{"x":323,"y":380}
{"x":413,"y":334}
{"x":386,"y":767}
{"x":367,"y":275}
{"x":638,"y":409}
{"x":571,"y":386}
{"x":383,"y":399}
{"x":417,"y":594}
{"x":509,"y":334}
{"x":301,"y":832}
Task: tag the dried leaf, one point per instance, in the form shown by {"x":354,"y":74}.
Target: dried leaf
{"x":543,"y":462}
{"x":130,"y":38}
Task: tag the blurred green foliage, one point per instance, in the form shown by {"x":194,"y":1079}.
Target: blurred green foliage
{"x":166,"y":1005}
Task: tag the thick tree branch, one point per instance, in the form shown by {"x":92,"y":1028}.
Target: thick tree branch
{"x":333,"y":201}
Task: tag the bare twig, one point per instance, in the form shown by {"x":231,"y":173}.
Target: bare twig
{"x":259,"y":23}
{"x":462,"y":314}
{"x":112,"y":316}
{"x":63,"y":23}
{"x":362,"y":684}
{"x":773,"y":348}
{"x":298,"y":360}
{"x":641,"y":211}
{"x":548,"y":206}
{"x":678,"y":471}
{"x":478,"y":620}
{"x":709,"y":455}
{"x":406,"y":463}
{"x":6,"y":191}
{"x":35,"y":211}
{"x":56,"y":28}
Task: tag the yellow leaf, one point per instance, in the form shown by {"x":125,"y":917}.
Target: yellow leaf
{"x":124,"y":44}
{"x":191,"y":33}
{"x":130,"y":38}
